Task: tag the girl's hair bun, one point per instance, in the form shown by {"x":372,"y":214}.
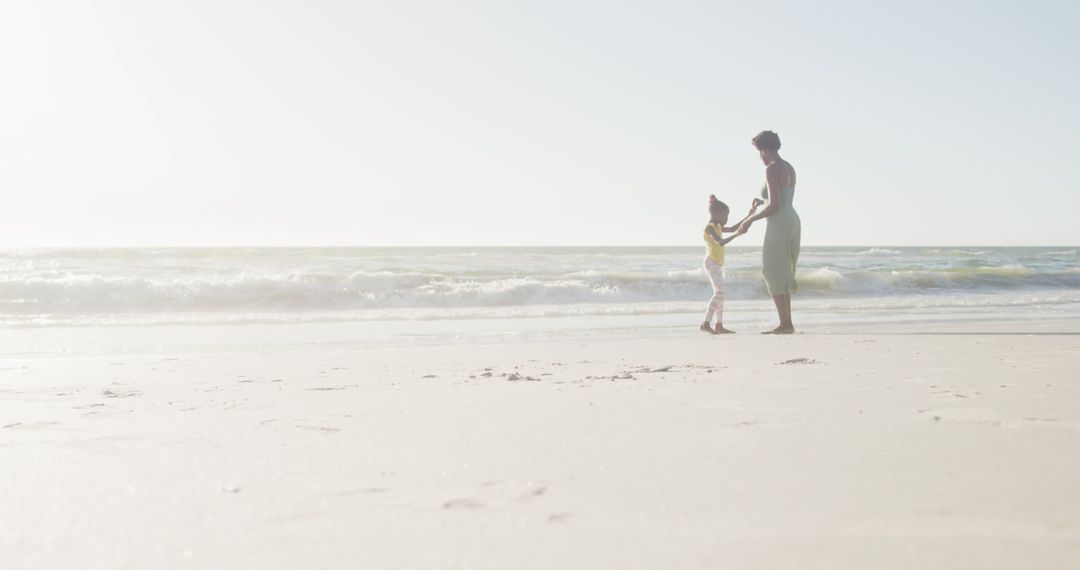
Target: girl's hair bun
{"x":712,"y":199}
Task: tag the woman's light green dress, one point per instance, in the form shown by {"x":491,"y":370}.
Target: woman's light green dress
{"x":780,"y":252}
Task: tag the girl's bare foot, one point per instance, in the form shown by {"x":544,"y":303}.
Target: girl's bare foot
{"x":781,"y":330}
{"x":721,"y":330}
{"x":705,"y":327}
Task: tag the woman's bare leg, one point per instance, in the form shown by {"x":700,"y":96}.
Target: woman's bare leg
{"x":785,"y":319}
{"x":783,"y":311}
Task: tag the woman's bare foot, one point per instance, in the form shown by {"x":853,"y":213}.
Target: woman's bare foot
{"x":721,"y":330}
{"x":706,"y":328}
{"x":781,"y":330}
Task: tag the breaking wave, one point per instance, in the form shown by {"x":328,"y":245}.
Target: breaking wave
{"x":89,"y":294}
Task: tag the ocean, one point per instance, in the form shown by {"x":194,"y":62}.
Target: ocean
{"x":578,"y":287}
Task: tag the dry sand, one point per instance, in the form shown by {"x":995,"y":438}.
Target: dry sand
{"x":894,"y":448}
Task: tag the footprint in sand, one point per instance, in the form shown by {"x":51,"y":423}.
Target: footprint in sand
{"x":119,"y":393}
{"x":30,"y":425}
{"x":613,"y":377}
{"x":1044,"y":422}
{"x":299,"y":423}
{"x":462,"y":503}
{"x":514,"y":376}
{"x":354,"y":492}
{"x":317,"y":428}
{"x":647,"y":370}
{"x":328,"y":388}
{"x":495,"y":494}
{"x":533,"y":493}
{"x":973,"y":416}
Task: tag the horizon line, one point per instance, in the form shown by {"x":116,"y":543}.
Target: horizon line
{"x":503,"y":246}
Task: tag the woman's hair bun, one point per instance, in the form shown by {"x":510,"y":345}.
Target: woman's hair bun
{"x":766,"y":140}
{"x":712,"y":199}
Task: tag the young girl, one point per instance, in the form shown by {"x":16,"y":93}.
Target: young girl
{"x":714,"y":261}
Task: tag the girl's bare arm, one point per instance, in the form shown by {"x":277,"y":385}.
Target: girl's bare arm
{"x":719,"y":240}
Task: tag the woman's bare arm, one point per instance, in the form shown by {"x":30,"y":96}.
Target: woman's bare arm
{"x":772,"y":183}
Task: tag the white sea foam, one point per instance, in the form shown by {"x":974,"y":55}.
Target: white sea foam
{"x":879,"y":251}
{"x":232,"y":285}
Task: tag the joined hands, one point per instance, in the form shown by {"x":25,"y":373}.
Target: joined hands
{"x":745,"y":225}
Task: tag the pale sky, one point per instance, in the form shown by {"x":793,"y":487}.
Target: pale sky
{"x":243,"y":122}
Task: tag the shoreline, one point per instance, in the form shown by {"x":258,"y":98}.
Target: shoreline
{"x":59,"y":341}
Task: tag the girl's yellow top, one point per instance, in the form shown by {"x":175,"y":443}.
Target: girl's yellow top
{"x":714,"y":250}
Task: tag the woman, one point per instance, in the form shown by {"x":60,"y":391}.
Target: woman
{"x":783,"y":231}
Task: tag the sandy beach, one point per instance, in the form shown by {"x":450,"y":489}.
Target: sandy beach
{"x":426,"y":285}
{"x":943,"y":446}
